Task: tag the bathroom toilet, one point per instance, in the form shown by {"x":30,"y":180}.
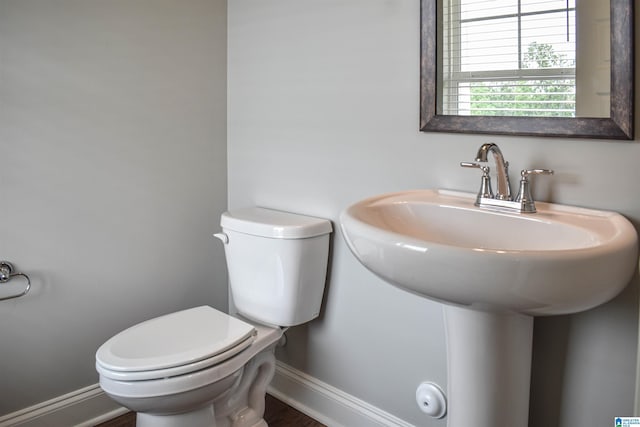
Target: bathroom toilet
{"x":201,"y":367}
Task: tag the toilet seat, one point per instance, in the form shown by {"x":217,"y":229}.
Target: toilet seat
{"x":174,"y":344}
{"x":230,"y":368}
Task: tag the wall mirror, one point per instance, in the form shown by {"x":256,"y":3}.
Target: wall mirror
{"x":561,"y":68}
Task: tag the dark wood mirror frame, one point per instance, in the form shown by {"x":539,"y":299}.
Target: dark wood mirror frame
{"x":618,"y":126}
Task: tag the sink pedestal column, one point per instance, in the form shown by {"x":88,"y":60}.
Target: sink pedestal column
{"x":489,"y":367}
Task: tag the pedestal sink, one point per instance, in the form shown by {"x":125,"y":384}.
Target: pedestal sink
{"x":493,"y":271}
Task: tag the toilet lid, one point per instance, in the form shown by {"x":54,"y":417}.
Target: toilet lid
{"x":176,"y":339}
{"x":176,"y":370}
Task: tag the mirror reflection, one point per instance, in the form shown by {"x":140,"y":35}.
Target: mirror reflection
{"x":524,"y":58}
{"x":608,"y":76}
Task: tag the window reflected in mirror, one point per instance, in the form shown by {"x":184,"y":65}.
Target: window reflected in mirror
{"x":521,"y":58}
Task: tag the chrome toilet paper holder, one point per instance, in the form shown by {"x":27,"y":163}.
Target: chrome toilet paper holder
{"x":7,"y":273}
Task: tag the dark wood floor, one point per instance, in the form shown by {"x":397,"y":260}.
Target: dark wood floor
{"x":276,"y":414}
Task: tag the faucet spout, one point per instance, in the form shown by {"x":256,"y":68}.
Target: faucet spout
{"x":503,"y":191}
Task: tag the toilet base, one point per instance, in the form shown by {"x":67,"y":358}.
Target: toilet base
{"x":243,"y":407}
{"x":201,"y":417}
{"x":204,"y":417}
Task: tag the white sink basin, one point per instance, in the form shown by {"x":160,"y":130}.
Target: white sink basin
{"x":437,"y":244}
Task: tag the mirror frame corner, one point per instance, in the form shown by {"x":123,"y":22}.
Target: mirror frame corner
{"x":620,"y":124}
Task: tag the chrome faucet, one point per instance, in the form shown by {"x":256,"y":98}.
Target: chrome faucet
{"x":503,"y":191}
{"x":503,"y":200}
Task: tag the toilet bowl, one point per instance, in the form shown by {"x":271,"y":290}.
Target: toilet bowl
{"x":201,"y":367}
{"x":202,"y":380}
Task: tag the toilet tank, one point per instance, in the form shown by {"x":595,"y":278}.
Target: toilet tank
{"x":277,"y":264}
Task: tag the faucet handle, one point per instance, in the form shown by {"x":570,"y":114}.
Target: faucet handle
{"x":485,"y":191}
{"x":485,"y":169}
{"x":524,"y":196}
{"x":526,"y":172}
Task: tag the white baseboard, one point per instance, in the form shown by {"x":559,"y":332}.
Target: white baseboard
{"x":325,"y":403}
{"x":85,"y":407}
{"x":90,"y":406}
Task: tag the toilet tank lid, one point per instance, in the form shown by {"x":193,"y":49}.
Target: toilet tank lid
{"x":265,"y":222}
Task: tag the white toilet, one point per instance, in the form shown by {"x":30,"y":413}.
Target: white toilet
{"x":201,"y":367}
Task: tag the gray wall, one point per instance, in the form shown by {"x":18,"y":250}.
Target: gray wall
{"x":112,"y":176}
{"x":112,"y":136}
{"x":323,"y":111}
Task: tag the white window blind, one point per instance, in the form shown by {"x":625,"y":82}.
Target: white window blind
{"x":508,"y":58}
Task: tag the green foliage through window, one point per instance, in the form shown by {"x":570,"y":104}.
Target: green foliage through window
{"x":548,"y":97}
